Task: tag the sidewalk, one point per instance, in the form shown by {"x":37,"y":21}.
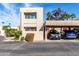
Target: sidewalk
{"x":10,"y":39}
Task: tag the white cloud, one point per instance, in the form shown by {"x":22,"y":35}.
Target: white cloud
{"x":9,"y":14}
{"x":27,"y":5}
{"x":10,"y":10}
{"x":6,"y":5}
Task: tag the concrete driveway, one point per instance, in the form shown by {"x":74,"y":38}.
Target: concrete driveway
{"x":39,"y":49}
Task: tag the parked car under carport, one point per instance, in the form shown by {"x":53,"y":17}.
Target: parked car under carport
{"x":69,"y":34}
{"x":53,"y":35}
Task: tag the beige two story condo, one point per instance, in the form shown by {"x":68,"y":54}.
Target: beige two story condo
{"x":31,"y":21}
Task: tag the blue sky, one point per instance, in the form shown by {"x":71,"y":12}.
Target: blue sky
{"x":9,"y":12}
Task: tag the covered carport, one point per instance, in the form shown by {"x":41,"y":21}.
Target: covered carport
{"x":59,"y":26}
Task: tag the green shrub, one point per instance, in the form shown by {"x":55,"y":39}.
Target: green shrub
{"x":29,"y":37}
{"x":10,"y":32}
{"x":18,"y":33}
{"x":22,"y":38}
{"x":6,"y":27}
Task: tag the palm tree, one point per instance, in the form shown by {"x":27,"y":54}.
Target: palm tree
{"x":9,"y":24}
{"x":49,"y":15}
{"x":73,"y":16}
{"x":66,"y":16}
{"x":58,"y":14}
{"x":2,"y":22}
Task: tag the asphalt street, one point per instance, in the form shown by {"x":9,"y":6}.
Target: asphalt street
{"x":39,"y":49}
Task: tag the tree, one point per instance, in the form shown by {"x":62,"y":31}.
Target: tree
{"x":59,"y":14}
{"x":18,"y":33}
{"x":73,"y":16}
{"x":66,"y":16}
{"x":10,"y":32}
{"x":5,"y":27}
{"x":49,"y":15}
{"x":9,"y":24}
{"x":2,"y":22}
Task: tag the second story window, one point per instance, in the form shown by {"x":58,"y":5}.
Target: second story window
{"x":32,"y":15}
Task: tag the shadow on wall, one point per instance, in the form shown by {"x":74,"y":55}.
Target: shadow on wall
{"x":42,"y":28}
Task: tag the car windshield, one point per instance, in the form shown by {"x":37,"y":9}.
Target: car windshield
{"x":54,"y":32}
{"x":70,"y":32}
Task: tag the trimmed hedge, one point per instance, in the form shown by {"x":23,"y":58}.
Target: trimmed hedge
{"x":29,"y":37}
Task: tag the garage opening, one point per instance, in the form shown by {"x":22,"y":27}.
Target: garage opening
{"x":53,"y":35}
{"x":58,"y":33}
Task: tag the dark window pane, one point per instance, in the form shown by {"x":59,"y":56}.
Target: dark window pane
{"x":30,"y":15}
{"x":30,"y":28}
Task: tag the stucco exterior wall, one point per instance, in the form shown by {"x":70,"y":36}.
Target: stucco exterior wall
{"x":38,"y":22}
